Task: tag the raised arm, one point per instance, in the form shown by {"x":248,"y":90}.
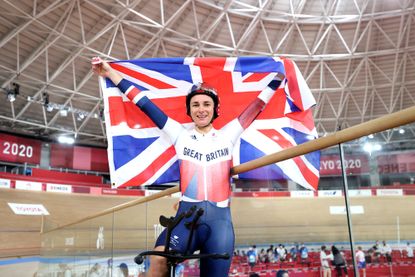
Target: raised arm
{"x":252,"y":111}
{"x":238,"y":125}
{"x":103,"y":69}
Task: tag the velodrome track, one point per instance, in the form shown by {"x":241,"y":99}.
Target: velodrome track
{"x":20,"y":234}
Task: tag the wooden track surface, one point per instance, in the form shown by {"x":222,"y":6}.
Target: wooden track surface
{"x":20,"y":234}
{"x":256,"y":221}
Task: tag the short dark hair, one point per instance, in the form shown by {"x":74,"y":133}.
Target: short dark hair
{"x":281,"y":272}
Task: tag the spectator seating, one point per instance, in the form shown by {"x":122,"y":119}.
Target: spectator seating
{"x":401,"y":266}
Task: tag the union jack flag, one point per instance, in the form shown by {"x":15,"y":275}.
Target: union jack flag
{"x":140,"y":154}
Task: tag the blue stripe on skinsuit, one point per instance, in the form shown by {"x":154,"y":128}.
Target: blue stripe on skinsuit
{"x":192,"y":188}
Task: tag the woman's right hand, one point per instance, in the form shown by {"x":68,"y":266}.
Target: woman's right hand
{"x":103,"y":69}
{"x":100,"y":67}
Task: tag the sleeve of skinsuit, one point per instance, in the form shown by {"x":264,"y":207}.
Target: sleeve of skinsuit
{"x":238,"y":125}
{"x":171,"y":127}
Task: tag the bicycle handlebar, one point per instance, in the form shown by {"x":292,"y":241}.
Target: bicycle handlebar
{"x":173,"y":257}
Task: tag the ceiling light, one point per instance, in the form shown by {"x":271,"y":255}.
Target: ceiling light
{"x":371,"y":136}
{"x":66,"y":140}
{"x":377,"y":147}
{"x":12,"y":93}
{"x":369,"y":147}
{"x":401,"y":131}
{"x":80,"y":117}
{"x":63,"y":112}
{"x":11,"y":96}
{"x":49,"y":108}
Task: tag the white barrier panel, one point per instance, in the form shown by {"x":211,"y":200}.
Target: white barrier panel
{"x":389,"y":192}
{"x":342,"y":210}
{"x":176,"y":195}
{"x":302,"y":193}
{"x":330,"y":193}
{"x":360,"y":192}
{"x":149,"y":192}
{"x":58,"y":188}
{"x":5,"y":183}
{"x":28,"y":209}
{"x":69,"y":241}
{"x":26,"y":185}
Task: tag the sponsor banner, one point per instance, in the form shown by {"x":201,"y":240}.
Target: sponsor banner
{"x":389,"y":192}
{"x":58,"y":188}
{"x":133,"y":192}
{"x":5,"y":183}
{"x":396,"y":163}
{"x":95,"y":191}
{"x":355,"y":164}
{"x":28,"y":209}
{"x":330,"y":193}
{"x":342,"y":210}
{"x":19,"y":150}
{"x":109,"y":191}
{"x":360,"y":192}
{"x":27,"y":185}
{"x":126,"y":192}
{"x":149,"y":192}
{"x":80,"y":189}
{"x":302,"y":193}
{"x":261,"y":194}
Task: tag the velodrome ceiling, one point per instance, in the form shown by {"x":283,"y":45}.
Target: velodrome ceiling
{"x":358,"y":56}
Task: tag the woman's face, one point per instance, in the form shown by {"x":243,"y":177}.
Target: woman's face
{"x":201,"y":110}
